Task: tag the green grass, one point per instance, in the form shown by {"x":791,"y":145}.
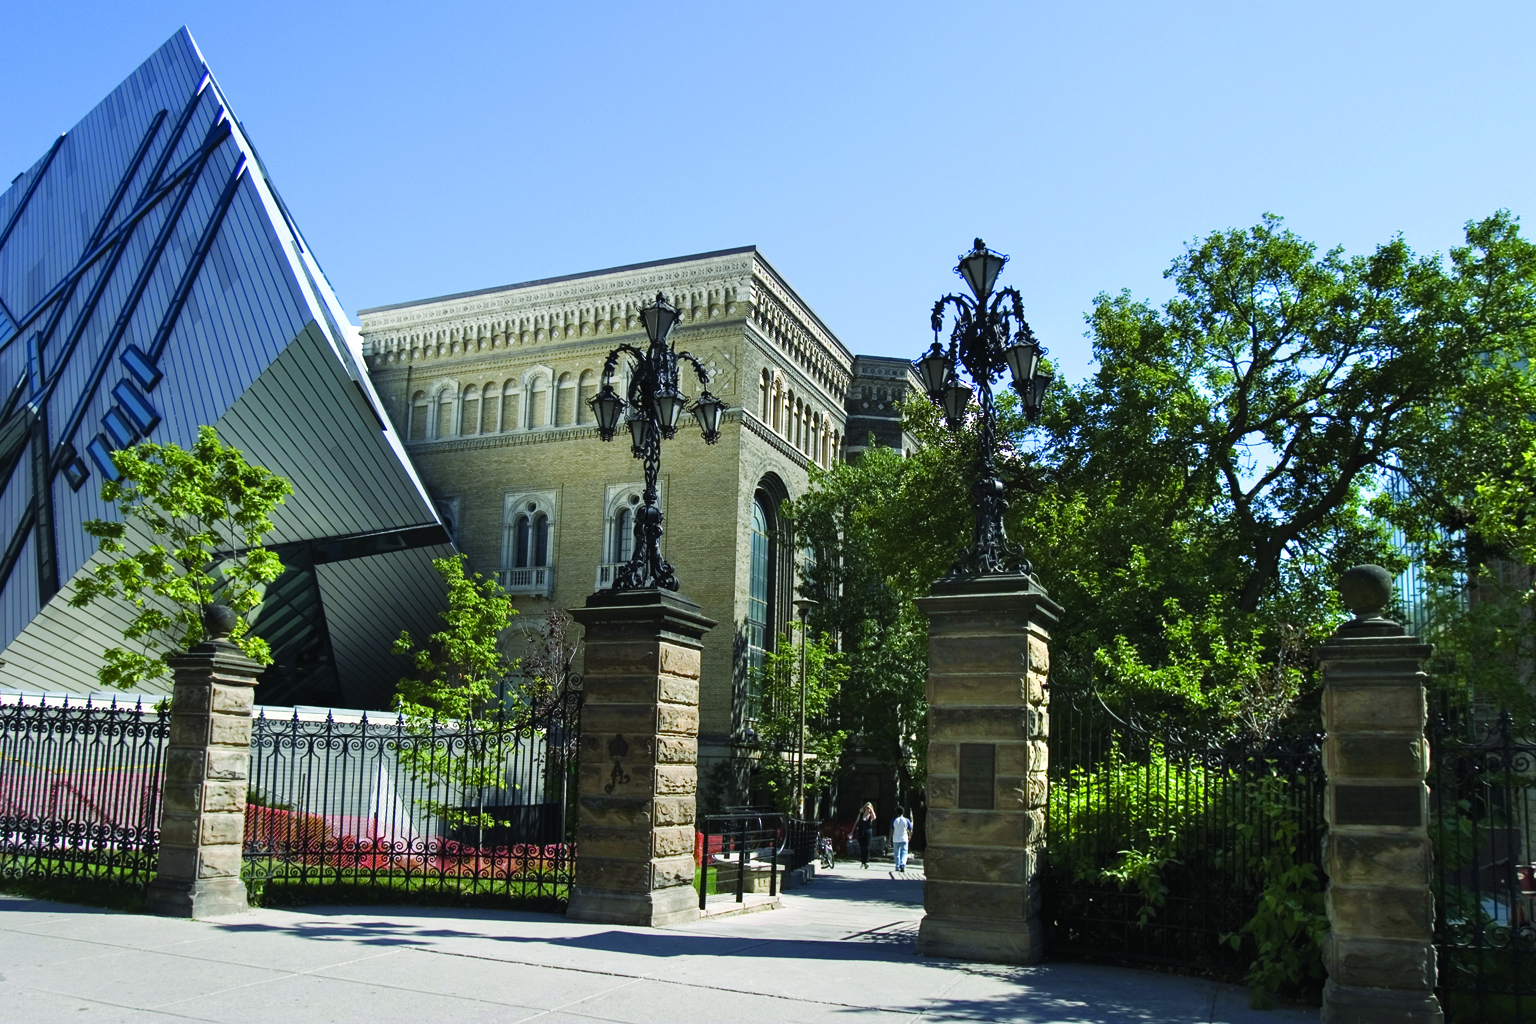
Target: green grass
{"x":363,"y":888}
{"x":89,"y":892}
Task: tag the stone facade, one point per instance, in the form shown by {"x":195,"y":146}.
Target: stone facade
{"x":988,"y":659}
{"x":537,"y":349}
{"x":879,"y":385}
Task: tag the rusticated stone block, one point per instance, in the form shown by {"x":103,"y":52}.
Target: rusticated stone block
{"x":964,"y":655}
{"x":979,"y":828}
{"x":1034,"y":687}
{"x":637,"y":657}
{"x":672,"y":842}
{"x":1039,"y":653}
{"x":614,"y":812}
{"x":609,"y":873}
{"x":188,"y":731}
{"x":680,"y":661}
{"x":1381,"y":963}
{"x":220,"y":862}
{"x":233,"y":698}
{"x":191,"y":699}
{"x":976,"y":863}
{"x":1351,"y":755}
{"x":675,"y":811}
{"x":179,"y":860}
{"x":1012,"y":759}
{"x":639,"y":691}
{"x":1037,"y":722}
{"x":604,"y":721}
{"x":1376,"y":707}
{"x":677,"y":690}
{"x":179,"y":830}
{"x":222,"y":828}
{"x":1378,"y":859}
{"x":677,"y":750}
{"x":1380,"y":912}
{"x":616,"y":843}
{"x":1039,"y":753}
{"x":677,"y":779}
{"x":678,"y":718}
{"x":181,"y":798}
{"x":987,"y":901}
{"x":1035,"y":788}
{"x":228,"y":764}
{"x":228,"y":731}
{"x":673,"y":871}
{"x":185,"y":763}
{"x":964,"y":724}
{"x":943,"y":759}
{"x":941,"y":794}
{"x":978,"y":689}
{"x":225,"y":797}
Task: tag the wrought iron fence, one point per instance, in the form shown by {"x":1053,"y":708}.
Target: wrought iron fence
{"x":738,"y":853}
{"x":80,"y":789}
{"x":1160,"y":850}
{"x":1483,"y":800}
{"x":801,"y":839}
{"x":376,"y":802}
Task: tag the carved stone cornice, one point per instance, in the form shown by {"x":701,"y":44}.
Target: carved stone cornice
{"x":783,"y":447}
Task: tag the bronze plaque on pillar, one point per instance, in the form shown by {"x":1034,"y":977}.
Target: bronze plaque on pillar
{"x":978,"y":773}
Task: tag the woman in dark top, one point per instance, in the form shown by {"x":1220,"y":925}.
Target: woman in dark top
{"x":864,"y":830}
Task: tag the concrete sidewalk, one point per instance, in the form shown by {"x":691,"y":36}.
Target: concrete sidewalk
{"x":840,"y":949}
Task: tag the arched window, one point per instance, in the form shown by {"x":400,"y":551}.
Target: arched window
{"x":565,"y":401}
{"x":469,"y":418}
{"x":447,"y":398}
{"x":490,"y":407}
{"x":541,"y":539}
{"x":538,"y":402}
{"x":622,"y":545}
{"x":510,"y":393}
{"x":778,"y":408}
{"x":585,"y":392}
{"x":763,"y":389}
{"x":418,"y":430}
{"x":530,"y":532}
{"x":759,"y":603}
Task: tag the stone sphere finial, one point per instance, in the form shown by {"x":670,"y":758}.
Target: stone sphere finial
{"x":219,"y":621}
{"x":1366,"y":590}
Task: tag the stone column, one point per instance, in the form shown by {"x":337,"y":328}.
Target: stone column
{"x":639,"y":767}
{"x":207,"y":772}
{"x":1381,"y":913}
{"x":987,"y":727}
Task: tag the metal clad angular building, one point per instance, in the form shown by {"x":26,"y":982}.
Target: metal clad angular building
{"x":151,"y":280}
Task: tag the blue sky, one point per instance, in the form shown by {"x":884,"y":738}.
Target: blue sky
{"x":433,"y":148}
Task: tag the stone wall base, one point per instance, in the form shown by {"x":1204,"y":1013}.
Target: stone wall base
{"x":967,"y":938}
{"x":655,"y":909}
{"x":206,"y":897}
{"x":1344,"y":1005}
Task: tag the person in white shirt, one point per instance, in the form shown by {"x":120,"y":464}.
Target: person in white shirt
{"x":901,"y":829}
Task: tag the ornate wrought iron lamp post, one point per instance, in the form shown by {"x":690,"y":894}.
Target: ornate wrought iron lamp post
{"x":654,"y":406}
{"x":989,"y":334}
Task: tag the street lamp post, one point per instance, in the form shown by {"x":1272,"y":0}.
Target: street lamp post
{"x":654,"y":406}
{"x":989,"y":334}
{"x":802,"y":606}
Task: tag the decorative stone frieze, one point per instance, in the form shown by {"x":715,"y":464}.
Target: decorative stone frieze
{"x":988,"y":661}
{"x":1379,"y":952}
{"x":638,"y":779}
{"x":207,"y":769}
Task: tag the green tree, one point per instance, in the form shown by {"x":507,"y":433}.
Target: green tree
{"x":190,"y":535}
{"x":456,"y":702}
{"x":778,"y":723}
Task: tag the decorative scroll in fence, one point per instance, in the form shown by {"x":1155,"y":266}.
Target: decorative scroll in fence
{"x":80,"y":790}
{"x":1483,"y":800}
{"x":1160,"y":849}
{"x":376,"y":803}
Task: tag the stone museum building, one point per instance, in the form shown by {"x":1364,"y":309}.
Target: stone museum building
{"x":490,"y":391}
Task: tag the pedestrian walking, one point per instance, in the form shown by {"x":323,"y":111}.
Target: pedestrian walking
{"x":901,"y":830}
{"x":864,"y":831}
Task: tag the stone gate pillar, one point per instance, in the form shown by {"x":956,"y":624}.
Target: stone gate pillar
{"x":639,"y":759}
{"x":987,"y":729}
{"x":207,"y":772}
{"x":1379,"y":952}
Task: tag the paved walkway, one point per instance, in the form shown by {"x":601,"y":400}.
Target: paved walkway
{"x":840,"y":949}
